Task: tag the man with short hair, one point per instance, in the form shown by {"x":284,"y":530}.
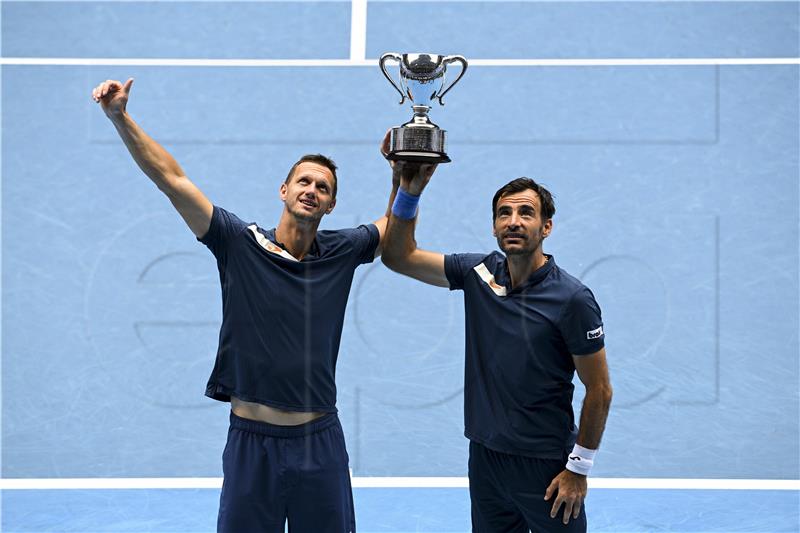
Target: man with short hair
{"x":529,"y":326}
{"x":284,"y":292}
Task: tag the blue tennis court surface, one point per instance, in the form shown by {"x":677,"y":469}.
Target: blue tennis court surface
{"x":396,"y":510}
{"x":677,"y":190}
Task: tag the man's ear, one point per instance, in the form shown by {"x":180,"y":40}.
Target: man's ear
{"x":284,"y":189}
{"x":330,"y":207}
{"x":548,"y":227}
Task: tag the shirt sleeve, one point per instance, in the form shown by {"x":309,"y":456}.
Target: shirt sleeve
{"x":224,"y":227}
{"x":365,"y":239}
{"x":457,"y":266}
{"x":581,"y":323}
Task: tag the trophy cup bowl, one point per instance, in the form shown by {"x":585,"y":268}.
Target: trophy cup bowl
{"x":422,"y":80}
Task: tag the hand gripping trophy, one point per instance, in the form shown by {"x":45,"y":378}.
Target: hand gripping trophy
{"x":422,"y":80}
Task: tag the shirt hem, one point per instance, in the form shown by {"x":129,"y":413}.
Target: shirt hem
{"x":536,"y":455}
{"x":223,"y":394}
{"x":589,"y":349}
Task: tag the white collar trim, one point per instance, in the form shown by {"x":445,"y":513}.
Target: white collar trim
{"x":268,"y":245}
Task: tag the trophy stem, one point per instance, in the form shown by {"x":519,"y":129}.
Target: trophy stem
{"x":420,"y":118}
{"x":421,"y":109}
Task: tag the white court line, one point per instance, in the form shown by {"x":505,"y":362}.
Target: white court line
{"x":410,"y":1}
{"x":358,"y":30}
{"x":166,"y":62}
{"x":397,"y":482}
{"x":1,"y":247}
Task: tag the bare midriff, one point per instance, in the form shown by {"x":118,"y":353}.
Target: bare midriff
{"x":270,"y":415}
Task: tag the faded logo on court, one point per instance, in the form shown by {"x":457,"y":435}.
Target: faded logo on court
{"x":153,"y":312}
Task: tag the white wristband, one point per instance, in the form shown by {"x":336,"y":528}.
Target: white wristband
{"x":581,"y":460}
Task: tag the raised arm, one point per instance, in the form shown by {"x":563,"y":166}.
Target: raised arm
{"x":383,"y":222}
{"x":153,"y":159}
{"x":400,"y":252}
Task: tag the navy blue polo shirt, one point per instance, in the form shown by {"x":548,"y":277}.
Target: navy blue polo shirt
{"x":282,"y":318}
{"x":519,"y":346}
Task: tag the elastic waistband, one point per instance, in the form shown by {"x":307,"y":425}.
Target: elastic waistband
{"x":273,"y":430}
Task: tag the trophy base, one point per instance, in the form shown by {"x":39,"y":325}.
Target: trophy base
{"x":418,"y":157}
{"x":421,"y":144}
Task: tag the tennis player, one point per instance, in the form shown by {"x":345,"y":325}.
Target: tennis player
{"x":529,"y":326}
{"x":284,"y":292}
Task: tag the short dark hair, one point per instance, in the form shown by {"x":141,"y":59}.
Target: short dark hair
{"x":319,"y":159}
{"x":522,"y":184}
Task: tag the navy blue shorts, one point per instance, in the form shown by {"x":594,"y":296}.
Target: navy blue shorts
{"x":507,"y":493}
{"x":274,"y":473}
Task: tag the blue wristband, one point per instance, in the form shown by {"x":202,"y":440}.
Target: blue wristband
{"x":405,"y":205}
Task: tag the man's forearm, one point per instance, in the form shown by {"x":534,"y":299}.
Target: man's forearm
{"x":400,"y":242}
{"x":393,"y":194}
{"x":593,"y":416}
{"x":151,"y":157}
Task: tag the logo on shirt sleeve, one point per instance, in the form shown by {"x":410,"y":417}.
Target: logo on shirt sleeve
{"x":595,"y":333}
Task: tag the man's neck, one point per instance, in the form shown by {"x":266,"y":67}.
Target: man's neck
{"x":296,"y":235}
{"x":520,"y":267}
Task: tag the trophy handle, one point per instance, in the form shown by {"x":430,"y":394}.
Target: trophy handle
{"x":447,"y":60}
{"x":382,"y":61}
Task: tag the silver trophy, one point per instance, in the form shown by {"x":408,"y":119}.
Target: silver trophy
{"x":422,"y":80}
